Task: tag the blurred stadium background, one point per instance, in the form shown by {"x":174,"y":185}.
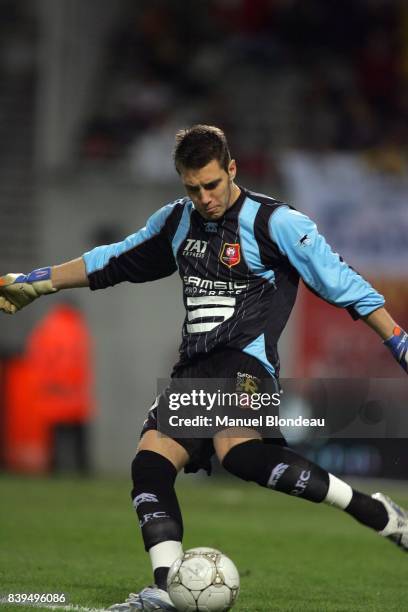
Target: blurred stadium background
{"x":314,"y":99}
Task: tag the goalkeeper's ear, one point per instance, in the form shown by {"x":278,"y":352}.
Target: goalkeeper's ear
{"x":19,"y":290}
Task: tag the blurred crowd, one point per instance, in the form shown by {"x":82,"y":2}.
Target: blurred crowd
{"x":319,"y":75}
{"x":17,"y":41}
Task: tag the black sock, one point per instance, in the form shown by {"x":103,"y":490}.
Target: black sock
{"x":155,"y":500}
{"x":160,"y":577}
{"x":368,"y":511}
{"x":279,"y":468}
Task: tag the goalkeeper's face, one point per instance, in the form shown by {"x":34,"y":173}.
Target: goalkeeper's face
{"x":211,"y":188}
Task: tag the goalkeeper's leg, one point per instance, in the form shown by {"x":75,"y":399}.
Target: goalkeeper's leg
{"x":154,"y":472}
{"x":279,"y":468}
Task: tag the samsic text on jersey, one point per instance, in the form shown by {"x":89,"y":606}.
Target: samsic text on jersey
{"x":240,"y":274}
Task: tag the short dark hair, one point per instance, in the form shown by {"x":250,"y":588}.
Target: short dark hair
{"x":198,"y":145}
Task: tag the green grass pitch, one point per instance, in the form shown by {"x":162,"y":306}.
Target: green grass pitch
{"x":80,"y":537}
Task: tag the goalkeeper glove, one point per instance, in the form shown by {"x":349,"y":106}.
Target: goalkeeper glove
{"x":398,"y":345}
{"x":19,"y":290}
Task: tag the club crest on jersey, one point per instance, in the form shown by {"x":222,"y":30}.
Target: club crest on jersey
{"x":230,"y":254}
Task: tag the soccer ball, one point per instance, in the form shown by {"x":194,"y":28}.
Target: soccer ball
{"x":203,"y":580}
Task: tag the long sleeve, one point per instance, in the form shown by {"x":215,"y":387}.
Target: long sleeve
{"x":143,"y":256}
{"x":323,"y":270}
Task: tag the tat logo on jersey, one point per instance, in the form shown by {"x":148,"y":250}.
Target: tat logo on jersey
{"x":230,"y":254}
{"x":195,"y":248}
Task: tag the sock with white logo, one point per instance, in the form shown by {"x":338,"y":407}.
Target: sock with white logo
{"x":156,"y":504}
{"x":277,"y":467}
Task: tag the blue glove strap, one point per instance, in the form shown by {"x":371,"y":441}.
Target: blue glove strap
{"x":36,"y":275}
{"x":398,"y":345}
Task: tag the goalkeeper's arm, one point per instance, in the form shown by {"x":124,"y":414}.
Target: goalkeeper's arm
{"x":19,"y":290}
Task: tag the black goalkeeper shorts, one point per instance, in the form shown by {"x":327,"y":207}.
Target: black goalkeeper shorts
{"x":229,"y":364}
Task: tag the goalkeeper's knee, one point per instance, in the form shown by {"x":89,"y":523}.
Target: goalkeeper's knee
{"x":278,"y":468}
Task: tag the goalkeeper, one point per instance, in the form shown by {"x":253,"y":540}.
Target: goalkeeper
{"x":240,"y":256}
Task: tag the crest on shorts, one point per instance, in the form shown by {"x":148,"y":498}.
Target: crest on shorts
{"x":230,"y":254}
{"x":246,"y":386}
{"x":247,"y":383}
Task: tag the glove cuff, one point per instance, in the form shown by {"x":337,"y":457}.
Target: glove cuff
{"x":40,"y":279}
{"x":40,"y":274}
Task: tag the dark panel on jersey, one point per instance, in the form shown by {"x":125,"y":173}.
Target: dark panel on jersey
{"x":150,"y":259}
